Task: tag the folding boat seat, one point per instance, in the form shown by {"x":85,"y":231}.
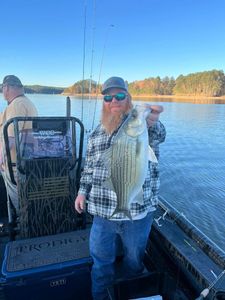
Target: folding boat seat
{"x":49,"y":157}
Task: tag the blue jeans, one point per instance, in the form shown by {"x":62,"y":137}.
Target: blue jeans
{"x":103,"y":236}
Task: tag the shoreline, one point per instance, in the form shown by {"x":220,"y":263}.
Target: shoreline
{"x":176,"y":97}
{"x":179,"y":97}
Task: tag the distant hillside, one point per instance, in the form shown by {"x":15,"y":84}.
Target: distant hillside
{"x":39,"y":89}
{"x":207,"y":83}
{"x":82,"y":87}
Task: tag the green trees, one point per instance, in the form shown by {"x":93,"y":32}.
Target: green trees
{"x":38,"y":89}
{"x":152,"y":86}
{"x":208,"y":83}
{"x":81,"y":86}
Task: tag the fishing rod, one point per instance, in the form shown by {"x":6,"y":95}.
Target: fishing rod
{"x":92,"y":48}
{"x":100,"y":71}
{"x":84,"y":56}
{"x":92,"y":57}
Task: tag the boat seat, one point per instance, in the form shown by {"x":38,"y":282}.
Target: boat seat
{"x":49,"y":157}
{"x":46,"y":195}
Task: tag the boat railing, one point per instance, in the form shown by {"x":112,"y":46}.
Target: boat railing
{"x":204,"y":242}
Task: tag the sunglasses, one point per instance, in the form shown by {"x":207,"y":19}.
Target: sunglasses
{"x":118,"y":97}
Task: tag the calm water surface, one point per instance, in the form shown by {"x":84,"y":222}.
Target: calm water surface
{"x":192,"y":159}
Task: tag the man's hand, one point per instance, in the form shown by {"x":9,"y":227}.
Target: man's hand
{"x":80,"y":203}
{"x":153,"y":117}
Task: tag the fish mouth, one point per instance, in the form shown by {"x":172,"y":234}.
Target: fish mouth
{"x":143,"y":110}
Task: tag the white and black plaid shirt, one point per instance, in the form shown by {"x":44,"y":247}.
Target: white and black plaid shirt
{"x":102,"y":201}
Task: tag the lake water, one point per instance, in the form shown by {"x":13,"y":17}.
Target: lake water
{"x":192,"y":161}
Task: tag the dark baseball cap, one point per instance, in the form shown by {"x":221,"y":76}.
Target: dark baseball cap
{"x":12,"y":80}
{"x":114,"y":82}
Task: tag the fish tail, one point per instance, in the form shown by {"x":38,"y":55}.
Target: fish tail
{"x":126,"y":212}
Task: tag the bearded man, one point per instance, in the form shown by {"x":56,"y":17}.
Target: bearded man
{"x":101,"y":201}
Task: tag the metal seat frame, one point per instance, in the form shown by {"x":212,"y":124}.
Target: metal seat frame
{"x":46,"y":186}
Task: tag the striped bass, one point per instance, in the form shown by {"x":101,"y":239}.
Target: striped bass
{"x":127,"y":160}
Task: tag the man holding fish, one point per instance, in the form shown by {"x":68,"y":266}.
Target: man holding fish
{"x":120,"y":183}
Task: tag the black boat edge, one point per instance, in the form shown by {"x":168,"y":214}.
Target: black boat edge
{"x":192,"y":255}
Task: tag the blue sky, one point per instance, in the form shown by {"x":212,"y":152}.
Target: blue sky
{"x":42,"y":41}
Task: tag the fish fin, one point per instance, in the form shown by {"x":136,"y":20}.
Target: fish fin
{"x":139,"y":198}
{"x":124,"y":211}
{"x":151,"y":155}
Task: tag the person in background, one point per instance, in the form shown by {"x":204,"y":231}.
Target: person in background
{"x":105,"y":230}
{"x":18,"y":106}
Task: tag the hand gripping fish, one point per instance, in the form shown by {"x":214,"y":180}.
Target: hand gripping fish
{"x":127,"y":161}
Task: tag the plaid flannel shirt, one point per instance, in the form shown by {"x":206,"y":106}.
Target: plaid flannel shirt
{"x":102,"y":201}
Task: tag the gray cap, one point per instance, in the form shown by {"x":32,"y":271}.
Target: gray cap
{"x":12,"y":80}
{"x":114,"y":82}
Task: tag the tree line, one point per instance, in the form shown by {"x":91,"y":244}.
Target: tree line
{"x":83,"y":87}
{"x":39,"y":89}
{"x":211,"y":83}
{"x":207,"y":83}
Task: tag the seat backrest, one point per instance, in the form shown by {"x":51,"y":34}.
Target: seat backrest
{"x":46,"y":197}
{"x":49,"y":157}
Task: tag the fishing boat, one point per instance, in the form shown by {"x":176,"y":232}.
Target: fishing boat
{"x":44,"y":247}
